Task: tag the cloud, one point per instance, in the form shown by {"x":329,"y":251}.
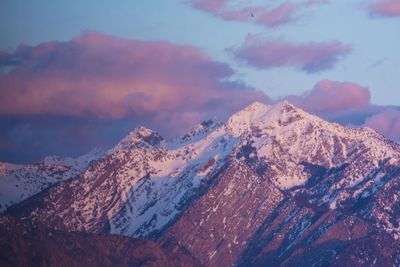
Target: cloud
{"x":273,"y":17}
{"x":385,"y":8}
{"x":349,"y":104}
{"x":329,"y":97}
{"x":387,"y":123}
{"x":266,"y":15}
{"x":104,"y":77}
{"x":310,"y":57}
{"x":212,"y":6}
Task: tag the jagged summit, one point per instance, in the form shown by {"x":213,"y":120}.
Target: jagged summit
{"x":201,"y":129}
{"x":293,"y":128}
{"x":243,"y":119}
{"x":254,"y":110}
{"x":207,"y":124}
{"x":255,"y":105}
{"x":138,"y":136}
{"x":285,"y":107}
{"x":267,"y":116}
{"x":256,"y":114}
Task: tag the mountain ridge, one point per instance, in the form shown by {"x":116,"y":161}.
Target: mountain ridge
{"x":194,"y":190}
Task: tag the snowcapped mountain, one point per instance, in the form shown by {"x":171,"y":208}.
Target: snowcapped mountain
{"x":273,"y":185}
{"x":21,"y":181}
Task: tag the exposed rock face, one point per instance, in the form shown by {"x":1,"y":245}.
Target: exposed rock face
{"x":23,"y":243}
{"x":217,"y":227}
{"x":273,"y":185}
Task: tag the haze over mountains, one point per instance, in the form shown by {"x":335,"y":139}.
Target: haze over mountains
{"x":273,"y":185}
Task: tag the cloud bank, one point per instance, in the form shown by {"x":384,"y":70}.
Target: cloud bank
{"x":309,"y":57}
{"x":100,"y":76}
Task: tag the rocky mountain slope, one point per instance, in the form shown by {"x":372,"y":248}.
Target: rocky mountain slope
{"x":23,"y":243}
{"x":273,"y":185}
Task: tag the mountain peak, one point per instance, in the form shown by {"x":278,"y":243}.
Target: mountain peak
{"x":207,"y":124}
{"x":256,"y":105}
{"x":284,"y":110}
{"x":243,"y":119}
{"x":139,"y":135}
{"x":141,"y":131}
{"x":201,"y":129}
{"x":279,"y":114}
{"x":284,"y":104}
{"x":286,"y":107}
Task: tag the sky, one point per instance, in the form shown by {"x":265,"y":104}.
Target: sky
{"x":79,"y":75}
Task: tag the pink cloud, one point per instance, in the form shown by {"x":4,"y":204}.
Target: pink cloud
{"x":385,"y":8}
{"x":311,"y":57}
{"x":282,"y":14}
{"x":270,"y":16}
{"x":332,"y":97}
{"x":212,"y":6}
{"x":387,"y":123}
{"x":349,"y":104}
{"x":100,"y":76}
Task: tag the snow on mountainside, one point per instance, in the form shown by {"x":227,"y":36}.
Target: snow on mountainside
{"x":19,"y":182}
{"x":80,"y":163}
{"x":141,"y":185}
{"x":269,"y":182}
